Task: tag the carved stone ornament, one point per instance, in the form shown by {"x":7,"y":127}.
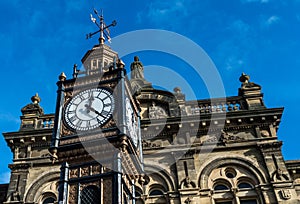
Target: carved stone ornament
{"x":73,"y":173}
{"x":156,"y":112}
{"x":205,"y":139}
{"x":65,"y":131}
{"x":285,"y":194}
{"x":278,"y":175}
{"x":73,"y":193}
{"x":264,"y":133}
{"x":229,"y":137}
{"x":147,"y":144}
{"x":188,"y":183}
{"x":14,"y":196}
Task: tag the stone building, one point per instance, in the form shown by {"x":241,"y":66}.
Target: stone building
{"x":211,"y":151}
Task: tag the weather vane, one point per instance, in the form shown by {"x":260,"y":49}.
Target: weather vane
{"x":103,"y":28}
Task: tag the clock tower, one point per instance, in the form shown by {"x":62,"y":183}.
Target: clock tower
{"x":96,"y":136}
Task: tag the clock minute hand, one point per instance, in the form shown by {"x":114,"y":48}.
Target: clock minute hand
{"x":90,"y":101}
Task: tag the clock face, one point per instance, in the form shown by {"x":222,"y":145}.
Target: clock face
{"x":89,"y":109}
{"x":131,"y":122}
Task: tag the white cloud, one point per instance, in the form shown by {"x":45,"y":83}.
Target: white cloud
{"x":163,"y":13}
{"x":271,"y":20}
{"x":239,"y":26}
{"x":5,"y":177}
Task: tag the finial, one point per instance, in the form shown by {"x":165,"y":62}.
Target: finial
{"x":177,"y":90}
{"x":75,"y":71}
{"x":62,"y":77}
{"x":35,"y":99}
{"x":244,"y":78}
{"x":103,"y":28}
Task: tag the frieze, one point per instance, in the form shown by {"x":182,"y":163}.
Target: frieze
{"x":86,"y":138}
{"x":155,"y":96}
{"x":206,"y":139}
{"x":156,"y":112}
{"x":148,"y":144}
{"x":227,"y":137}
{"x":96,"y":169}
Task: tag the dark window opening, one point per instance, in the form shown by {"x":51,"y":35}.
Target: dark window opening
{"x":244,"y":185}
{"x":49,"y":200}
{"x":220,"y":187}
{"x":248,"y":202}
{"x":90,"y":195}
{"x":156,"y":193}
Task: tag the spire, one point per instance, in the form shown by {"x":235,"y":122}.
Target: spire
{"x":103,"y":28}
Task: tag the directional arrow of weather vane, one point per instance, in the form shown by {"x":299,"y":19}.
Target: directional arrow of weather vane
{"x":103,"y":28}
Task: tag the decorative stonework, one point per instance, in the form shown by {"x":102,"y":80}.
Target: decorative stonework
{"x":156,"y":112}
{"x":285,"y":194}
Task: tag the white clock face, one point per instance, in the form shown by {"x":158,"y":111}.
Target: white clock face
{"x":89,"y":109}
{"x":131,"y":122}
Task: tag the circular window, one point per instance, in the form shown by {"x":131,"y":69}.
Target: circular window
{"x":230,"y":173}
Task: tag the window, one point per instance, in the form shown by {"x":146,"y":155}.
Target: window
{"x":49,"y":200}
{"x":244,"y":186}
{"x":248,"y":202}
{"x":221,"y":187}
{"x":90,"y":195}
{"x":230,"y":173}
{"x":224,"y":202}
{"x":223,"y":180}
{"x":156,"y":193}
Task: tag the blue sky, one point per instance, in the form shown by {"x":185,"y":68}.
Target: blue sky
{"x":42,"y":38}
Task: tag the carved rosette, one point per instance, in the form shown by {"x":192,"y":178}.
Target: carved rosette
{"x":84,"y":171}
{"x":73,"y":173}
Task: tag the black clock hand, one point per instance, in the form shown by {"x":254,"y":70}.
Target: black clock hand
{"x":91,"y":99}
{"x":93,"y":110}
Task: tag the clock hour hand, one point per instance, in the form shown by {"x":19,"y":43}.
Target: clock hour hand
{"x":89,"y":108}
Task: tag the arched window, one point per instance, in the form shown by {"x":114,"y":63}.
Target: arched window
{"x":245,"y":185}
{"x":90,"y":195}
{"x":221,"y":187}
{"x":156,"y":192}
{"x":49,"y":200}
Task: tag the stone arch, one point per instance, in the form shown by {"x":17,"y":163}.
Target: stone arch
{"x":157,"y":173}
{"x":217,"y":162}
{"x":34,"y":191}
